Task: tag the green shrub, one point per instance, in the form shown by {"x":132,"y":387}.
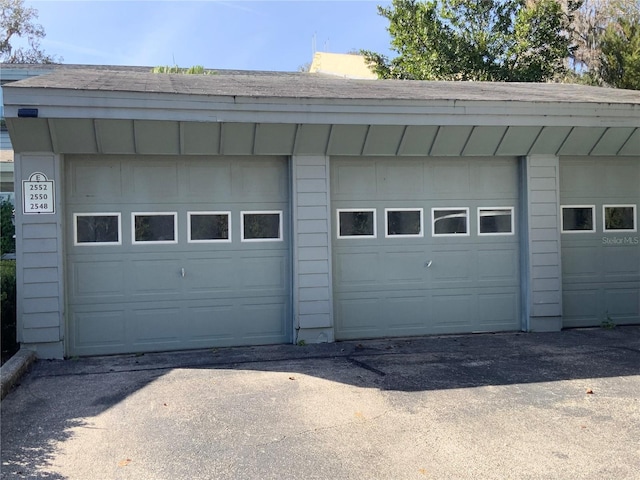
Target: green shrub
{"x":8,"y":306}
{"x":7,"y":229}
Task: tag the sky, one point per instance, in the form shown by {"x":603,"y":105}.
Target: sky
{"x":222,"y":34}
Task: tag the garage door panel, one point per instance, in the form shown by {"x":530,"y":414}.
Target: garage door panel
{"x":362,"y":314}
{"x":260,"y":179}
{"x":621,"y":263}
{"x":451,"y":267}
{"x":263,"y":272}
{"x":404,"y":267}
{"x":496,"y":311}
{"x":153,"y":181}
{"x":209,"y":275}
{"x":402,"y":180}
{"x":156,"y":325}
{"x":495,"y":179}
{"x":581,"y":264}
{"x":149,"y":296}
{"x":97,"y":180}
{"x":623,"y":303}
{"x":98,"y":279}
{"x":453,"y":309}
{"x":601,"y":269}
{"x":210,"y":322}
{"x":264,"y":320}
{"x":620,"y":177}
{"x":156,"y":276}
{"x":210,"y":183}
{"x":406,"y":313}
{"x":357,"y":268}
{"x":423,"y":284}
{"x":581,"y":307}
{"x":354,"y":178}
{"x":450,"y":180}
{"x":103,"y":328}
{"x":498,"y":265}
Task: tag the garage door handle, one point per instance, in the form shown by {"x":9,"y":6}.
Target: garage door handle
{"x":182,"y":271}
{"x":428,"y":263}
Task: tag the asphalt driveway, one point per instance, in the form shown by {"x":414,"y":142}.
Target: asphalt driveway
{"x":505,"y":406}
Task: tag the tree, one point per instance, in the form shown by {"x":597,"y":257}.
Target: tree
{"x":605,"y":33}
{"x":18,"y":21}
{"x":494,"y":40}
{"x":620,"y":53}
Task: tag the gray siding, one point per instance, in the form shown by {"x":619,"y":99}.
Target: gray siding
{"x":311,"y":239}
{"x":39,"y":262}
{"x":543,"y":243}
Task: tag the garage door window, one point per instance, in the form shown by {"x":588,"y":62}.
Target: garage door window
{"x":578,"y":218}
{"x":495,"y":221}
{"x":450,"y":221}
{"x":356,"y":223}
{"x":619,"y":218}
{"x":154,"y":227}
{"x":403,"y":222}
{"x":206,"y":227}
{"x":263,"y":226}
{"x":97,"y":229}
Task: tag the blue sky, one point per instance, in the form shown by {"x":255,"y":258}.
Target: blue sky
{"x":234,"y":34}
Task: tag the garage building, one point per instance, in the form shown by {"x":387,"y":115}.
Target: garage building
{"x":163,"y":212}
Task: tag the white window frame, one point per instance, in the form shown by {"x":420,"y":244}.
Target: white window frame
{"x":213,"y":240}
{"x":624,"y":205}
{"x":154,"y":242}
{"x":493,"y":234}
{"x":410,"y":235}
{"x":375,"y":223}
{"x":593,"y":217}
{"x":96,"y":214}
{"x":433,"y":222}
{"x":259,"y":212}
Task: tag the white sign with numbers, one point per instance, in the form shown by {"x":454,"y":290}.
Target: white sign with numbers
{"x":37,"y":194}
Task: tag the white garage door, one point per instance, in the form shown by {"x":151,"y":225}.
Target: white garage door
{"x":600,"y":241}
{"x":176,"y":252}
{"x":425,"y":246}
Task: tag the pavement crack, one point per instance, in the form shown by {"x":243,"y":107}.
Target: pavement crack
{"x":366,"y":366}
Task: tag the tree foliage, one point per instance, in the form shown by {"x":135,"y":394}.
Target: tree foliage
{"x":607,"y":37}
{"x":494,"y":40}
{"x":195,"y":70}
{"x":18,"y":22}
{"x":620,"y":53}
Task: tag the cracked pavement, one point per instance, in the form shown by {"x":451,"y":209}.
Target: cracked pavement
{"x":453,"y":407}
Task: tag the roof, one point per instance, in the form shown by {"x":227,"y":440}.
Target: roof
{"x":107,"y":110}
{"x":280,"y":85}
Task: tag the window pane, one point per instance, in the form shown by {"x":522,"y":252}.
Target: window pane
{"x":404,"y":222}
{"x":359,"y":223}
{"x":619,"y":218}
{"x":97,"y":229}
{"x":450,"y":222}
{"x":575,"y":219}
{"x":495,"y":220}
{"x":155,"y":228}
{"x":261,"y":226}
{"x":209,"y":226}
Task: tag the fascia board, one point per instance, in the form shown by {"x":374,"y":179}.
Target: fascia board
{"x":61,"y":103}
